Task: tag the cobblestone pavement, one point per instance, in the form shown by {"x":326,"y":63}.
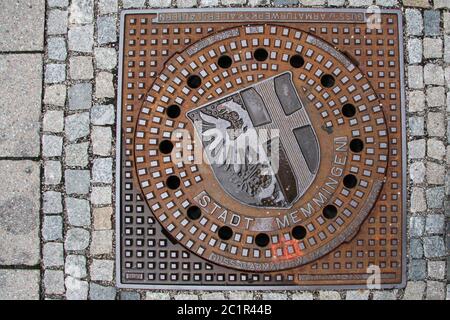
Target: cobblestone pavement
{"x":58,"y":70}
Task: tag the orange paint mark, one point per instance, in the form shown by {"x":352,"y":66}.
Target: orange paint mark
{"x":284,"y":247}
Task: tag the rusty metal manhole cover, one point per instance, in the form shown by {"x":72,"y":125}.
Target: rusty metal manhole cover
{"x":315,"y":198}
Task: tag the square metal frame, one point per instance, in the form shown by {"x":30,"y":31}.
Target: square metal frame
{"x":118,"y":215}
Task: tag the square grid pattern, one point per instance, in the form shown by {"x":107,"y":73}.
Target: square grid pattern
{"x":149,"y":257}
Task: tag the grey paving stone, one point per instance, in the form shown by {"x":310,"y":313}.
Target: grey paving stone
{"x":384,"y":295}
{"x":101,"y":195}
{"x":52,"y":146}
{"x":273,"y":296}
{"x":416,"y":101}
{"x":435,"y":149}
{"x":76,"y":155}
{"x":436,"y":96}
{"x":435,"y":197}
{"x":447,"y":49}
{"x":54,"y":282}
{"x":193,"y":3}
{"x":414,"y":50}
{"x":447,"y":184}
{"x":357,"y":295}
{"x":183,"y":296}
{"x":157,"y":296}
{"x":417,"y":270}
{"x":105,"y":58}
{"x":77,"y":126}
{"x":81,"y":38}
{"x":415,"y":77}
{"x":336,"y":3}
{"x":75,"y":266}
{"x":418,"y":202}
{"x":314,"y":2}
{"x":416,"y":3}
{"x":77,"y":239}
{"x":77,"y":181}
{"x":22,"y":25}
{"x":416,"y":126}
{"x":81,"y":68}
{"x":20,"y":113}
{"x":98,"y":292}
{"x":435,"y":223}
{"x":433,"y":74}
{"x":432,"y":48}
{"x":414,"y":290}
{"x":57,"y":49}
{"x":295,"y":296}
{"x":106,"y":30}
{"x":19,"y":213}
{"x":55,"y":95}
{"x":438,"y":4}
{"x":447,"y":210}
{"x":359,"y":3}
{"x":416,"y":249}
{"x":257,"y":3}
{"x":103,"y":115}
{"x":102,"y":270}
{"x":416,"y":149}
{"x":448,"y":126}
{"x":431,"y":22}
{"x":417,"y":172}
{"x":329,"y":295}
{"x":108,"y":6}
{"x":102,"y":218}
{"x":386,"y":3}
{"x":129,"y":295}
{"x":435,"y":173}
{"x":436,"y":125}
{"x":76,"y":289}
{"x":285,"y":2}
{"x":58,"y":3}
{"x":78,"y":212}
{"x":133,"y":3}
{"x":104,"y":87}
{"x":53,"y":121}
{"x":55,"y":73}
{"x":101,"y":140}
{"x":447,"y":80}
{"x":435,"y":290}
{"x":52,"y":228}
{"x":57,"y":22}
{"x":81,"y":11}
{"x":52,"y":172}
{"x":448,"y":292}
{"x":203,"y":3}
{"x":102,"y":170}
{"x":446,"y":20}
{"x":52,"y":203}
{"x":434,"y":247}
{"x":437,"y":269}
{"x":53,"y":254}
{"x":19,"y":284}
{"x":416,"y":226}
{"x":80,"y":96}
{"x":217,"y":296}
{"x":102,"y":242}
{"x":414,"y":22}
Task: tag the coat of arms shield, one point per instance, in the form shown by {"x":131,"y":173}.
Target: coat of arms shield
{"x":260,"y":143}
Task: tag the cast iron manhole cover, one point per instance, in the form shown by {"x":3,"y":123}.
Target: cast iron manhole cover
{"x":261,"y":148}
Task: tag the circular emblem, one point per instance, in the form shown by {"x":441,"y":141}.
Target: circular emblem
{"x":261,"y":148}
